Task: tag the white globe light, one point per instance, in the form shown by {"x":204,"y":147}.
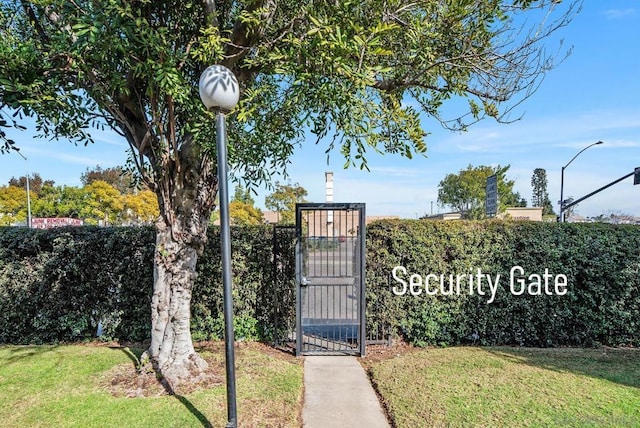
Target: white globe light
{"x":219,"y":88}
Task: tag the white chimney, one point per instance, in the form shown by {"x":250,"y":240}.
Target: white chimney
{"x":328,"y":179}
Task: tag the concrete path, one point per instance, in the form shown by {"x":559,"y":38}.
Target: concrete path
{"x":337,"y":393}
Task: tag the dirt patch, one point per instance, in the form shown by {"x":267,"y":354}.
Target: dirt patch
{"x":377,"y":353}
{"x":124,"y":380}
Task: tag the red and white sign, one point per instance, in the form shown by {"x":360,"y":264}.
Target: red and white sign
{"x":48,"y":223}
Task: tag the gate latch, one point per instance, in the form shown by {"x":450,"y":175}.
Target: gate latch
{"x":304,"y":282}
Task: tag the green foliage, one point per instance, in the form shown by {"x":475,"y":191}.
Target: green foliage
{"x":57,"y":285}
{"x":242,"y":210}
{"x":601,"y":262}
{"x":466,"y":191}
{"x":284,"y":199}
{"x":97,"y":202}
{"x":359,"y":73}
{"x":540,"y":196}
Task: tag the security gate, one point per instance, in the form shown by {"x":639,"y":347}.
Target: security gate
{"x":330,"y":278}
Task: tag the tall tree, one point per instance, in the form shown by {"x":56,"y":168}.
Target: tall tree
{"x":344,"y":70}
{"x":13,"y":204}
{"x":118,"y":177}
{"x":465,"y":191}
{"x":60,"y":201}
{"x":242,"y":209}
{"x":36,"y":183}
{"x":242,"y":194}
{"x":540,"y":196}
{"x":284,"y":199}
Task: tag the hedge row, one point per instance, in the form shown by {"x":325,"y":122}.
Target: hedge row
{"x":58,"y":285}
{"x":64,"y":284}
{"x":601,"y":263}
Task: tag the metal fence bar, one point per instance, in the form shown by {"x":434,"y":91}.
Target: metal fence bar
{"x":329,"y":279}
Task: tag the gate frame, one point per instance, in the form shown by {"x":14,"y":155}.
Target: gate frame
{"x":360,"y":207}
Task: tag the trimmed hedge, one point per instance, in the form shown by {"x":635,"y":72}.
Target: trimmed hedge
{"x":601,"y":263}
{"x":56,"y":285}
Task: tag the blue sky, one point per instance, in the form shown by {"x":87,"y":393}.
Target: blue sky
{"x":593,"y":95}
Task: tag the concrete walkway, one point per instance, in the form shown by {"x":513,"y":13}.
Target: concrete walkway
{"x":337,"y":393}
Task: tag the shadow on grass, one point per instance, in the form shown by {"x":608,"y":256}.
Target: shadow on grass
{"x":135,"y":355}
{"x":621,"y":366}
{"x":186,"y":403}
{"x":195,"y":412}
{"x":18,"y":353}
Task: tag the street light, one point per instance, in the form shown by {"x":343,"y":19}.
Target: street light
{"x":220,"y":92}
{"x":28,"y":192}
{"x":562,"y":179}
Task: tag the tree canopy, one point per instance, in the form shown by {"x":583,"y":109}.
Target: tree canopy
{"x":94,"y":203}
{"x":242,"y":209}
{"x":284,"y":199}
{"x":118,"y":177}
{"x":357,"y":71}
{"x":465,"y":191}
{"x":540,"y":195}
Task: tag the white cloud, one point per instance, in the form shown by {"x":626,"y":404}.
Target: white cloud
{"x":619,"y":13}
{"x":571,"y":130}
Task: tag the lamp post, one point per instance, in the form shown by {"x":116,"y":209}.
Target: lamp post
{"x":562,"y":179}
{"x":28,"y":192}
{"x":220,"y":92}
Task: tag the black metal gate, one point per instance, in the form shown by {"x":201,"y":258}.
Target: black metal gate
{"x":330,"y":278}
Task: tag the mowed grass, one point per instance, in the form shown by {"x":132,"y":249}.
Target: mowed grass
{"x":509,"y":387}
{"x":68,"y":386}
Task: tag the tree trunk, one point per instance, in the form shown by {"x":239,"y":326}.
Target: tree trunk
{"x":187,"y":198}
{"x":171,"y":351}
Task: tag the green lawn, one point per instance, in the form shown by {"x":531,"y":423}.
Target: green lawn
{"x":511,"y":387}
{"x":68,"y":386}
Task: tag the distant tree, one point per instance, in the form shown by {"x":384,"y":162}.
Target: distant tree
{"x":283,"y":200}
{"x":540,"y":196}
{"x":242,"y":210}
{"x":242,"y":194}
{"x":13,"y":204}
{"x":465,"y":191}
{"x":140,"y":208}
{"x":35,"y":182}
{"x":117,"y":177}
{"x":244,"y":214}
{"x":514,"y":199}
{"x":104,"y":204}
{"x":60,"y":201}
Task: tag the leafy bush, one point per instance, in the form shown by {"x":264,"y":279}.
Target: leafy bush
{"x":600,"y":261}
{"x":61,"y":284}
